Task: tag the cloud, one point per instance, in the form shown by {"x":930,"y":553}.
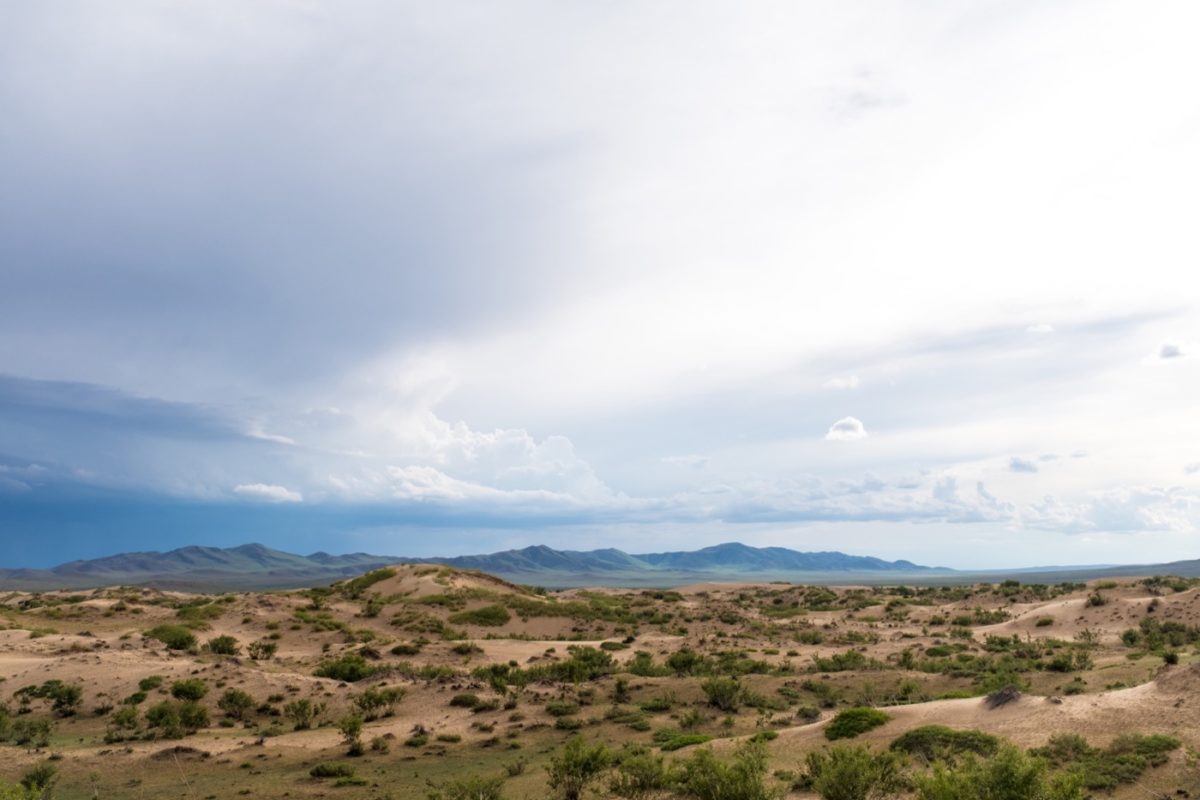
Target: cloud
{"x":841,"y":382}
{"x":1041,"y":328}
{"x":1170,"y":350}
{"x":846,"y":429}
{"x":1018,"y":464}
{"x":1192,"y":468}
{"x":1127,"y":510}
{"x":268,"y":492}
{"x":691,"y":461}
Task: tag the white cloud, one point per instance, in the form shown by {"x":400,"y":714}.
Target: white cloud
{"x":841,"y":382}
{"x":1129,"y":510}
{"x":1170,"y":350}
{"x":268,"y":492}
{"x":1192,"y":468}
{"x":1018,"y":464}
{"x":1041,"y":328}
{"x":846,"y":429}
{"x":690,"y":461}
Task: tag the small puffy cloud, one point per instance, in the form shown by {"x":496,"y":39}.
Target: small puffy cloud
{"x":1170,"y":350}
{"x":1041,"y":328}
{"x":846,"y":429}
{"x":1192,"y":468}
{"x":841,"y":382}
{"x":1018,"y":464}
{"x":268,"y":492}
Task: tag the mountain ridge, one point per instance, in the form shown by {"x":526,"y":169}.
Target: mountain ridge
{"x":257,"y":567}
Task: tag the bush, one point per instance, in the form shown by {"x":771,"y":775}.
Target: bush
{"x":350,"y":668}
{"x":189,"y":689}
{"x":303,"y":713}
{"x":329,"y":769}
{"x":39,"y":780}
{"x":465,"y":700}
{"x":705,"y":777}
{"x":175,"y":637}
{"x":683,"y":740}
{"x":576,"y":766}
{"x":1010,"y":775}
{"x":262,"y":650}
{"x":235,"y":703}
{"x":223,"y":646}
{"x":723,"y":693}
{"x":639,"y":776}
{"x":150,"y":682}
{"x":488,"y":616}
{"x":853,"y":722}
{"x":939,"y":743}
{"x":476,"y":788}
{"x":1121,"y":762}
{"x":852,"y":772}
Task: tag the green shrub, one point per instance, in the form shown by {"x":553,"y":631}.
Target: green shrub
{"x":175,"y":637}
{"x":940,"y":743}
{"x":854,"y":722}
{"x":852,"y":772}
{"x":223,"y":646}
{"x":474,"y":788}
{"x":577,"y":766}
{"x":1009,"y":775}
{"x":189,"y":689}
{"x":723,"y":693}
{"x":350,"y":667}
{"x":703,"y":776}
{"x":235,"y":703}
{"x":683,"y":740}
{"x":488,"y":616}
{"x":150,"y":682}
{"x":329,"y":769}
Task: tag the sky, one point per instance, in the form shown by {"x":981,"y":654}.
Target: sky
{"x":915,"y":281}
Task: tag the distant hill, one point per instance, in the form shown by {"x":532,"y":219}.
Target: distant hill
{"x":731,"y":559}
{"x":254,"y":566}
{"x":250,"y":566}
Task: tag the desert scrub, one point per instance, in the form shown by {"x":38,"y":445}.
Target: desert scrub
{"x":940,"y":743}
{"x":488,"y":616}
{"x":854,"y":722}
{"x":350,"y":668}
{"x":175,"y":637}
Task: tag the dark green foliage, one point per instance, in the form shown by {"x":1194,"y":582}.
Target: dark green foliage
{"x":853,"y":772}
{"x":64,"y":697}
{"x":175,"y":637}
{"x":189,"y":689}
{"x":723,"y":693}
{"x":490,"y":616}
{"x":235,"y":703}
{"x":354,"y":588}
{"x":702,"y":776}
{"x":577,"y":766}
{"x":223,"y":646}
{"x":149,"y":683}
{"x":39,"y":780}
{"x":1009,"y":775}
{"x":683,"y":740}
{"x":350,"y":667}
{"x":639,"y":775}
{"x":330,"y":769}
{"x":853,"y":722}
{"x":1123,"y":761}
{"x":465,"y":700}
{"x":939,"y":743}
{"x":303,"y":713}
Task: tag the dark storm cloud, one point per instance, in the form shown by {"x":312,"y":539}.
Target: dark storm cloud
{"x":264,"y":193}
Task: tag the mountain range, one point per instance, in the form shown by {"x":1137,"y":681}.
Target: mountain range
{"x":254,"y":566}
